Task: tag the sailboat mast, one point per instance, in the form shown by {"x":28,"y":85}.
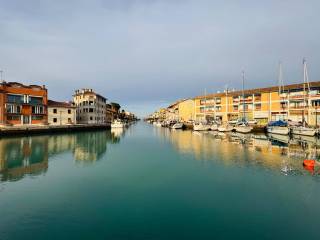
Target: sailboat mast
{"x":280,"y":79}
{"x":304,"y":91}
{"x":243,"y":99}
{"x":205,"y":104}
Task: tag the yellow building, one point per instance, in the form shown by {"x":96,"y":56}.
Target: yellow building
{"x":186,"y":110}
{"x":262,"y":104}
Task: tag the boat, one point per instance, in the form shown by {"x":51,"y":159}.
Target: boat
{"x":117,"y":124}
{"x":225,"y":128}
{"x":304,"y":129}
{"x":201,"y":127}
{"x":278,"y":127}
{"x":158,"y":124}
{"x":214,"y":127}
{"x":243,"y":126}
{"x":177,"y":125}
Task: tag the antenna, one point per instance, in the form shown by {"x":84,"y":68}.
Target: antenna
{"x":280,"y":79}
{"x":1,"y":72}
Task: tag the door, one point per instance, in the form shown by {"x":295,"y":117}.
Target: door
{"x":26,"y":119}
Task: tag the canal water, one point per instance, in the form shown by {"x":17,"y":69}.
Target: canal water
{"x":154,"y":183}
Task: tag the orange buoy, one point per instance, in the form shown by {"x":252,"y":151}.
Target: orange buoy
{"x":309,"y":163}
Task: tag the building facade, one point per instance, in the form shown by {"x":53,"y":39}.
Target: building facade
{"x":61,"y":113}
{"x":90,"y":107}
{"x":186,"y":110}
{"x":294,"y":102}
{"x":23,"y":104}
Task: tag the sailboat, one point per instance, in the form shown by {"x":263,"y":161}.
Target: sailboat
{"x":304,"y":129}
{"x":243,"y":126}
{"x":202,"y":126}
{"x":279,"y":127}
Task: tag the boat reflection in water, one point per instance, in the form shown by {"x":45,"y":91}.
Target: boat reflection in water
{"x":24,"y":156}
{"x":276,"y":152}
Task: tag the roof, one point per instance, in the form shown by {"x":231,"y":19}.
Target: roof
{"x":176,"y":103}
{"x":17,"y":84}
{"x":84,"y":91}
{"x":260,"y":90}
{"x":52,"y":103}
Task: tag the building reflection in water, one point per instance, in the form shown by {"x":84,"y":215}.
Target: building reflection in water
{"x":23,"y":156}
{"x":276,"y":152}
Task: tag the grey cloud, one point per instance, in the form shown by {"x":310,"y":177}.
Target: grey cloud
{"x":140,"y":51}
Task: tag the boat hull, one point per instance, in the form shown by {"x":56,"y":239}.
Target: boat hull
{"x":243,"y":129}
{"x":278,"y":130}
{"x":304,"y":131}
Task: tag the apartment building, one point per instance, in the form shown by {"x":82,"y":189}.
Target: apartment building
{"x":90,"y":107}
{"x":61,"y":113}
{"x":23,"y":104}
{"x":263,"y":104}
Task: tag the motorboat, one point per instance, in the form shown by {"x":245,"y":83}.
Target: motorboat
{"x":278,"y":127}
{"x":201,"y":127}
{"x":117,"y":124}
{"x":303,"y":130}
{"x":177,"y":125}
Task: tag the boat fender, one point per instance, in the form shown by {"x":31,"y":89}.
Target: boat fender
{"x":309,"y":163}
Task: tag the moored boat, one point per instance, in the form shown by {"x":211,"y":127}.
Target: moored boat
{"x":306,"y":131}
{"x":177,"y":125}
{"x":243,"y":128}
{"x":201,"y":127}
{"x":117,"y":124}
{"x":225,"y":128}
{"x":278,"y":127}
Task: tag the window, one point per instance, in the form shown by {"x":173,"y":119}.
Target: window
{"x":91,"y":110}
{"x":69,"y":111}
{"x":90,"y":118}
{"x":69,"y":120}
{"x":14,"y":98}
{"x":54,"y":110}
{"x":36,"y":117}
{"x":54,"y":120}
{"x":12,"y":108}
{"x":258,"y":107}
{"x":15,"y":118}
{"x":37,"y":109}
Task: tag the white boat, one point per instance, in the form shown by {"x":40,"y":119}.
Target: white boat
{"x":158,"y":124}
{"x":201,"y":127}
{"x":214,"y":127}
{"x":305,"y":131}
{"x":282,"y":130}
{"x":117,"y":124}
{"x":225,"y":128}
{"x":243,"y":128}
{"x":177,"y":125}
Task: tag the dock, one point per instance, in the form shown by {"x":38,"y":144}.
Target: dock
{"x":38,"y":129}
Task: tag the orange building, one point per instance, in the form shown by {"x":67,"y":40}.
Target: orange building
{"x":23,"y":105}
{"x":263,"y":104}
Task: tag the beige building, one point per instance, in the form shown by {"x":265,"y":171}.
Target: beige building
{"x":61,"y":113}
{"x":90,"y":107}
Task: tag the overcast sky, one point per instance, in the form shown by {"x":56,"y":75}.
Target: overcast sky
{"x":146,"y":53}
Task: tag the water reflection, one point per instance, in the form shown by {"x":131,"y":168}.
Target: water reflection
{"x":274,"y":152}
{"x":30,"y":155}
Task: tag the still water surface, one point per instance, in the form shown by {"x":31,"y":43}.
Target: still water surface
{"x":155,"y":183}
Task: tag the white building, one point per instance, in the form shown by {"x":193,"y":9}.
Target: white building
{"x":61,"y":113}
{"x":90,"y":107}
